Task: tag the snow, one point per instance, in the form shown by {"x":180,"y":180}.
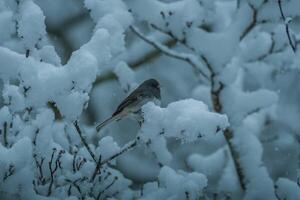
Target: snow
{"x":171,"y":16}
{"x":287,"y":189}
{"x":5,"y":115}
{"x":209,"y":45}
{"x":6,"y":25}
{"x":211,"y":165}
{"x":14,"y":98}
{"x":47,"y":54}
{"x":175,"y":185}
{"x":31,"y":27}
{"x":107,"y":147}
{"x":259,"y":183}
{"x":182,"y":183}
{"x":201,"y":93}
{"x":125,"y":76}
{"x":185,"y":120}
{"x":257,"y":46}
{"x":226,"y":68}
{"x":245,"y":103}
{"x":19,"y":157}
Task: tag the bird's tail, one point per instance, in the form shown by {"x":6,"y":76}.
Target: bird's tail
{"x":109,"y":120}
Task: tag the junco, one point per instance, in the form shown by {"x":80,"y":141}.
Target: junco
{"x":149,"y":90}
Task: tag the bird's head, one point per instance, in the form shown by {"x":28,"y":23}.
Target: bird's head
{"x":154,"y":86}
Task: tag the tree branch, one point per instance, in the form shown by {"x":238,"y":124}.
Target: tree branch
{"x":84,"y":141}
{"x":107,"y":187}
{"x":5,"y":143}
{"x":97,"y":168}
{"x":287,"y":29}
{"x":190,"y":59}
{"x":216,"y":89}
{"x":136,"y":63}
{"x":251,"y":25}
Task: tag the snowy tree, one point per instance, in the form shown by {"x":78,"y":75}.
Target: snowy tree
{"x":228,"y":124}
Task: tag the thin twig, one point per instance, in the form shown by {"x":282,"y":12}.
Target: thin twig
{"x":57,"y":165}
{"x":5,"y":134}
{"x":74,"y":161}
{"x":187,"y":195}
{"x":52,"y":171}
{"x":190,"y":59}
{"x":127,"y":147}
{"x":80,"y":163}
{"x":74,"y":184}
{"x":150,"y":55}
{"x":97,"y":168}
{"x":251,"y":25}
{"x":287,"y":29}
{"x":10,"y":172}
{"x":39,"y":165}
{"x":107,"y":187}
{"x":84,"y":141}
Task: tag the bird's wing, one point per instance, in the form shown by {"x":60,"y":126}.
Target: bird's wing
{"x":134,"y":98}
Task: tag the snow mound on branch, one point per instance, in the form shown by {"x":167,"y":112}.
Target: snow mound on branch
{"x":107,"y":147}
{"x":239,"y":104}
{"x":176,"y":185}
{"x":186,"y":120}
{"x":125,"y":76}
{"x":287,"y":189}
{"x":16,"y":170}
{"x":31,"y":25}
{"x":169,"y":16}
{"x":42,"y":82}
{"x":211,"y":165}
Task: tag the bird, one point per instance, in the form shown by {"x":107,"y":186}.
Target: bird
{"x":148,"y":91}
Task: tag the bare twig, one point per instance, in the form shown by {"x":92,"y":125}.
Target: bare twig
{"x":74,"y":161}
{"x":52,"y":171}
{"x":5,"y":134}
{"x":107,"y":187}
{"x":108,"y":174}
{"x":190,"y":59}
{"x":97,"y":168}
{"x":187,"y":195}
{"x":84,"y":141}
{"x":287,"y":29}
{"x":74,"y":184}
{"x":57,"y":164}
{"x":252,"y":24}
{"x":126,"y":148}
{"x":35,"y":136}
{"x":169,"y":33}
{"x":80,"y":163}
{"x":10,"y":172}
{"x":39,"y":165}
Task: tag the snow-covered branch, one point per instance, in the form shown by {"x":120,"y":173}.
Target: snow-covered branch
{"x":287,"y":29}
{"x":228,"y":121}
{"x":190,"y":59}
